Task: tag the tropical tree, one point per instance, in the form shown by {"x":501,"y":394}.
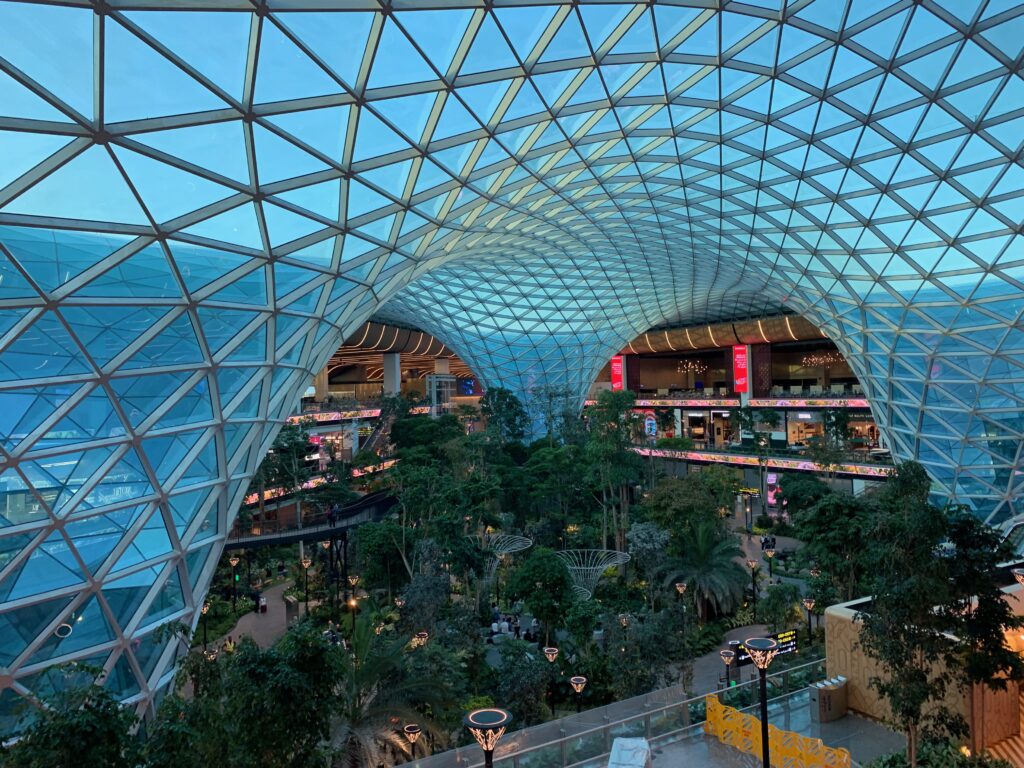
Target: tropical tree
{"x":613,"y":465}
{"x":708,"y":563}
{"x":836,"y":529}
{"x":506,"y":417}
{"x":82,"y":726}
{"x":544,"y":584}
{"x":373,"y":689}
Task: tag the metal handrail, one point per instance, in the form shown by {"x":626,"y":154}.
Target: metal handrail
{"x":510,"y":756}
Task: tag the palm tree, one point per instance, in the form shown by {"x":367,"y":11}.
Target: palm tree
{"x":708,"y":565}
{"x":375,"y":698}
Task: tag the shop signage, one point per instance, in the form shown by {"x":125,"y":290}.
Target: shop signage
{"x":739,"y":368}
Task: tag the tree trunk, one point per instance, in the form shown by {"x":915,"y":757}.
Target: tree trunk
{"x":912,"y":746}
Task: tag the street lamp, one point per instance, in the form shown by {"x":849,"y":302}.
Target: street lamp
{"x":420,"y":639}
{"x":204,"y":610}
{"x":551,"y":654}
{"x":809,"y":605}
{"x":624,"y":620}
{"x":727,"y":658}
{"x":762,"y":650}
{"x":752,"y":565}
{"x":305,"y":562}
{"x":353,"y":580}
{"x":487,"y":726}
{"x":680,"y":589}
{"x":578,"y":683}
{"x":815,"y":571}
{"x":770,"y":554}
{"x":234,"y":582}
{"x":412,"y":733}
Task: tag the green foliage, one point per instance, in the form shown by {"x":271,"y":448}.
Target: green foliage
{"x":779,"y":608}
{"x":836,"y":529}
{"x":523,"y":678}
{"x":80,"y":727}
{"x":377,"y":556}
{"x":506,"y":417}
{"x":709,"y":565}
{"x":939,"y":754}
{"x":936,"y":620}
{"x":802,"y":491}
{"x":542,"y":582}
{"x":678,"y":504}
{"x":581,"y":621}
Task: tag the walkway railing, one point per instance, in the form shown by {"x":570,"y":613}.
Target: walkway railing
{"x":312,"y":527}
{"x":662,"y":716}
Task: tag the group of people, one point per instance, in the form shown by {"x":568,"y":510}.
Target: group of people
{"x":509,"y":625}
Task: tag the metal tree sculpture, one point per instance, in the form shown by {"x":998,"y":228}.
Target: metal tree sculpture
{"x":499,"y":545}
{"x":586,"y":566}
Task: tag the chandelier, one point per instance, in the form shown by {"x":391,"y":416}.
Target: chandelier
{"x":691,"y":366}
{"x":818,"y":359}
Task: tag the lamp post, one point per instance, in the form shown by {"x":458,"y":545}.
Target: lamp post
{"x":420,"y":639}
{"x":487,"y":726}
{"x":305,"y":562}
{"x":204,"y":610}
{"x":727,"y":658}
{"x":234,"y":582}
{"x":762,"y":463}
{"x":551,"y":654}
{"x":809,"y":605}
{"x":752,"y":565}
{"x":578,"y":683}
{"x":815,"y":571}
{"x":412,"y":733}
{"x":624,"y":620}
{"x":770,"y":554}
{"x":762,"y":650}
{"x":680,"y":592}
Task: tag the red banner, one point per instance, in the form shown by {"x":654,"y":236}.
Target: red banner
{"x":740,"y":377}
{"x":617,"y":373}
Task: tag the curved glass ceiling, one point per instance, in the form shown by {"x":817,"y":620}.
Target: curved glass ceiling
{"x":199,"y":200}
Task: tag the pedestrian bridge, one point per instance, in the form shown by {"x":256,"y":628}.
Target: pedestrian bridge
{"x":316,"y":527}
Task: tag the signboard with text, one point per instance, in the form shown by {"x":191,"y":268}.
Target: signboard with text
{"x":616,"y":365}
{"x":740,"y":375}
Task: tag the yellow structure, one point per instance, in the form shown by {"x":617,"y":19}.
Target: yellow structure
{"x":788,"y":749}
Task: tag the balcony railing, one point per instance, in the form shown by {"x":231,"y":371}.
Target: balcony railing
{"x":662,"y":717}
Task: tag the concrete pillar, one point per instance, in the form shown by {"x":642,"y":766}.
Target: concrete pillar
{"x":321,"y":386}
{"x":392,"y":373}
{"x":442,"y":365}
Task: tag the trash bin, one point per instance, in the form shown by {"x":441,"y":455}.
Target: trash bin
{"x":828,"y":700}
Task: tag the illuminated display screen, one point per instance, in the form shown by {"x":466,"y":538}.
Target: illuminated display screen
{"x":821,"y":402}
{"x":616,"y":367}
{"x":801,"y":465}
{"x":367,"y":413}
{"x":787,"y":644}
{"x":740,"y":374}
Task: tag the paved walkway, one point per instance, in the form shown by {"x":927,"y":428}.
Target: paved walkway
{"x":264,"y":628}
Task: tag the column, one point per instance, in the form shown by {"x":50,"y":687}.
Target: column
{"x":393,"y":373}
{"x":321,"y":386}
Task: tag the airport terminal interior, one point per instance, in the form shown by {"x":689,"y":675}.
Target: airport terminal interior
{"x":520,"y":383}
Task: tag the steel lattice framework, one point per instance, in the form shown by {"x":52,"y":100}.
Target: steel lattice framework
{"x":586,"y":566}
{"x":197,"y":206}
